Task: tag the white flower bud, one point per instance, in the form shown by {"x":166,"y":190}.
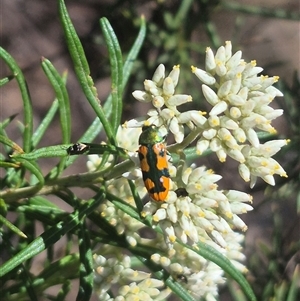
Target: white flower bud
{"x":179,"y":99}
{"x":174,"y":74}
{"x":219,"y":108}
{"x":168,"y":87}
{"x":210,"y":95}
{"x":228,"y":123}
{"x":236,"y":100}
{"x":204,"y":76}
{"x":214,"y":121}
{"x":244,"y":172}
{"x":202,"y":146}
{"x":228,"y":50}
{"x":158,"y":101}
{"x":221,"y":69}
{"x":221,"y":154}
{"x":252,"y":137}
{"x":210,"y":63}
{"x":209,"y":134}
{"x":234,"y":61}
{"x":141,"y":96}
{"x":235,"y":112}
{"x":224,"y":89}
{"x":159,"y":75}
{"x":221,"y":55}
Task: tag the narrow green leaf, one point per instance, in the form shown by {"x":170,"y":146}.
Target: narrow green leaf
{"x":52,"y":235}
{"x":280,"y":291}
{"x":219,"y":259}
{"x":54,"y":274}
{"x":82,"y":70}
{"x":62,"y":96}
{"x":63,"y":292}
{"x":181,"y":15}
{"x":261,"y":11}
{"x":28,"y":116}
{"x":116,"y":64}
{"x":236,"y":293}
{"x":46,"y":210}
{"x":34,"y":248}
{"x":44,"y":152}
{"x":178,"y":289}
{"x":66,"y":267}
{"x":124,"y":206}
{"x":39,"y":133}
{"x":138,"y":202}
{"x":6,"y":122}
{"x":5,"y":80}
{"x":27,"y":281}
{"x":294,"y":291}
{"x":9,"y":164}
{"x":13,"y":175}
{"x":298,"y":202}
{"x":134,"y":51}
{"x":5,"y":140}
{"x":96,"y":126}
{"x":41,"y":201}
{"x":212,"y":33}
{"x":161,"y":274}
{"x":35,"y":170}
{"x":86,"y":276}
{"x":3,"y":207}
{"x":65,"y":150}
{"x":11,"y":226}
{"x":49,"y":216}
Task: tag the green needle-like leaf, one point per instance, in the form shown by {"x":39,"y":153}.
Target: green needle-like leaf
{"x":179,"y":290}
{"x":5,"y":140}
{"x":43,"y":126}
{"x":28,"y":116}
{"x":96,"y":126}
{"x":213,"y":255}
{"x":61,"y":93}
{"x":5,"y":80}
{"x":294,"y":291}
{"x":116,"y":64}
{"x":134,"y":51}
{"x":52,"y":235}
{"x":82,"y":70}
{"x":35,"y":170}
{"x":11,"y":226}
{"x":62,"y":96}
{"x":44,"y":152}
{"x":86,"y":276}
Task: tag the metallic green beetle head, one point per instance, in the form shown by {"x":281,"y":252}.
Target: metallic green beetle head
{"x":151,"y":135}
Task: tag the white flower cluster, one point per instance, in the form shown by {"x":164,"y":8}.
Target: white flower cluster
{"x":199,"y":212}
{"x":161,"y":92}
{"x":202,"y":212}
{"x":240,"y":105}
{"x":195,"y":210}
{"x":240,"y":100}
{"x":112,"y":270}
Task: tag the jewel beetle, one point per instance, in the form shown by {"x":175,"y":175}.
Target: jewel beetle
{"x":154,"y":162}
